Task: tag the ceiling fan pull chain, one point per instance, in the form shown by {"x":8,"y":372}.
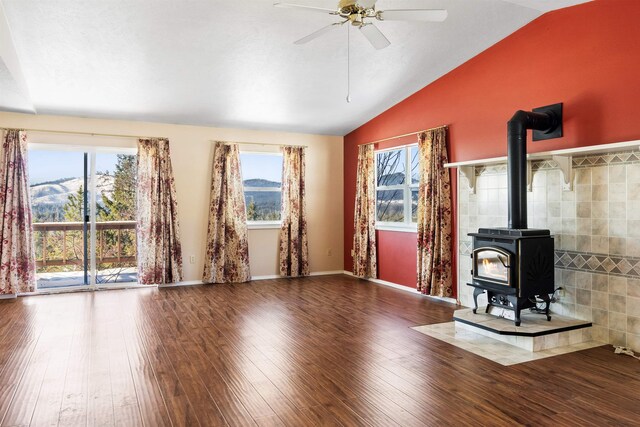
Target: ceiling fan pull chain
{"x":348,"y":63}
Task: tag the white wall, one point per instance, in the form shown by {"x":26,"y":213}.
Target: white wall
{"x":191,"y":150}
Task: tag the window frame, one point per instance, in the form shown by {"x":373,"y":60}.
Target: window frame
{"x":408,"y":225}
{"x":267,"y":224}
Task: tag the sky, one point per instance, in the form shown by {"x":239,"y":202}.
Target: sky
{"x":50,"y":165}
{"x":263,"y":166}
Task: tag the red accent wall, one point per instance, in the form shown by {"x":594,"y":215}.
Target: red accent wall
{"x":397,"y":250}
{"x":586,"y":56}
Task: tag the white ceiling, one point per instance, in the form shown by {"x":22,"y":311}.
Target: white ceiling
{"x":232,"y":63}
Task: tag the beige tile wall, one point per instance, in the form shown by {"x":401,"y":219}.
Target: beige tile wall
{"x":597,"y":237}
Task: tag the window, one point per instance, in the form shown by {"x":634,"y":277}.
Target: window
{"x":397,"y":178}
{"x":262,"y":179}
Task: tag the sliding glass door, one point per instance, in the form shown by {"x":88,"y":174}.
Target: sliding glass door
{"x":58,"y":181}
{"x":115,"y":218}
{"x":83,"y":205}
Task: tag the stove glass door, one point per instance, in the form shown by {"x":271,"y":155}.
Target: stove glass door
{"x":492,"y":264}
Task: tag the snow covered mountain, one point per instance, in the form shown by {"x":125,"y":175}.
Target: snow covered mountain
{"x":57,"y":193}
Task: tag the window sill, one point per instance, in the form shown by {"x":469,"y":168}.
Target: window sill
{"x":263,"y":225}
{"x":402,"y":228}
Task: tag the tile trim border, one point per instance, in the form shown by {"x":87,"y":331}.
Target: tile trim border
{"x":615,"y":265}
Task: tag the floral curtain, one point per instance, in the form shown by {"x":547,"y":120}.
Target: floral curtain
{"x":434,"y":215}
{"x":294,"y":252}
{"x":227,"y":254}
{"x":364,"y":235}
{"x":17,"y":255}
{"x":157,"y":231}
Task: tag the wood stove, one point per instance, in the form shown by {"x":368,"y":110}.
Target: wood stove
{"x":514,"y":265}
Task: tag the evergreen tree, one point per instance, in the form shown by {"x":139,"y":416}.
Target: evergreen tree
{"x":252,"y":213}
{"x":74,"y":207}
{"x":121,"y":206}
{"x":73,"y":212}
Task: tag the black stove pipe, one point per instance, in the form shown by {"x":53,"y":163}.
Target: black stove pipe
{"x":517,"y":159}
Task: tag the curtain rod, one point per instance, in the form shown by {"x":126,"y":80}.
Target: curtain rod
{"x":406,"y":134}
{"x":70,"y":132}
{"x":258,"y":143}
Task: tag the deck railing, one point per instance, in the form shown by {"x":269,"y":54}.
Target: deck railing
{"x":106,"y":252}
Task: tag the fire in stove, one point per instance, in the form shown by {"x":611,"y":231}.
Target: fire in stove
{"x":491,"y":269}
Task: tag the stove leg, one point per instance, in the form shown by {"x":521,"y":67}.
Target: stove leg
{"x":476,"y":292}
{"x":515,"y":302}
{"x":547,"y":303}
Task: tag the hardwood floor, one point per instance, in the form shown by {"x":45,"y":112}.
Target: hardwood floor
{"x":326,"y":350}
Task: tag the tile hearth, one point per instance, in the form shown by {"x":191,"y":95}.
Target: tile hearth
{"x":498,"y":339}
{"x":534,"y":334}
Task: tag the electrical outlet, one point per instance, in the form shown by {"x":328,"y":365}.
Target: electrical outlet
{"x":192,"y":259}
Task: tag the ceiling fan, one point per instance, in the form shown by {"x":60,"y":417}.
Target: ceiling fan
{"x":360,"y":13}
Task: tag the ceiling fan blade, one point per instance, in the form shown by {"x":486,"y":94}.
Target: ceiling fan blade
{"x":427,"y":15}
{"x":367,"y":4}
{"x":318,"y":33}
{"x":309,"y":8}
{"x":375,"y":36}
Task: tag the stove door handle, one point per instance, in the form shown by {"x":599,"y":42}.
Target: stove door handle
{"x":503,"y":263}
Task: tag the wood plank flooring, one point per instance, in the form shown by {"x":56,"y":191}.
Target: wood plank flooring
{"x":318,"y":351}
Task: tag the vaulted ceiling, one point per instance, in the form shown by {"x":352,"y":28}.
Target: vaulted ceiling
{"x":232,"y":63}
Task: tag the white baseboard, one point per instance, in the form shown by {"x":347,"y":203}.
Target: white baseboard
{"x":185,"y":283}
{"x":265,"y":277}
{"x":444,"y":299}
{"x":405,"y":288}
{"x":8,"y":296}
{"x":313,"y":273}
{"x":326,"y":273}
